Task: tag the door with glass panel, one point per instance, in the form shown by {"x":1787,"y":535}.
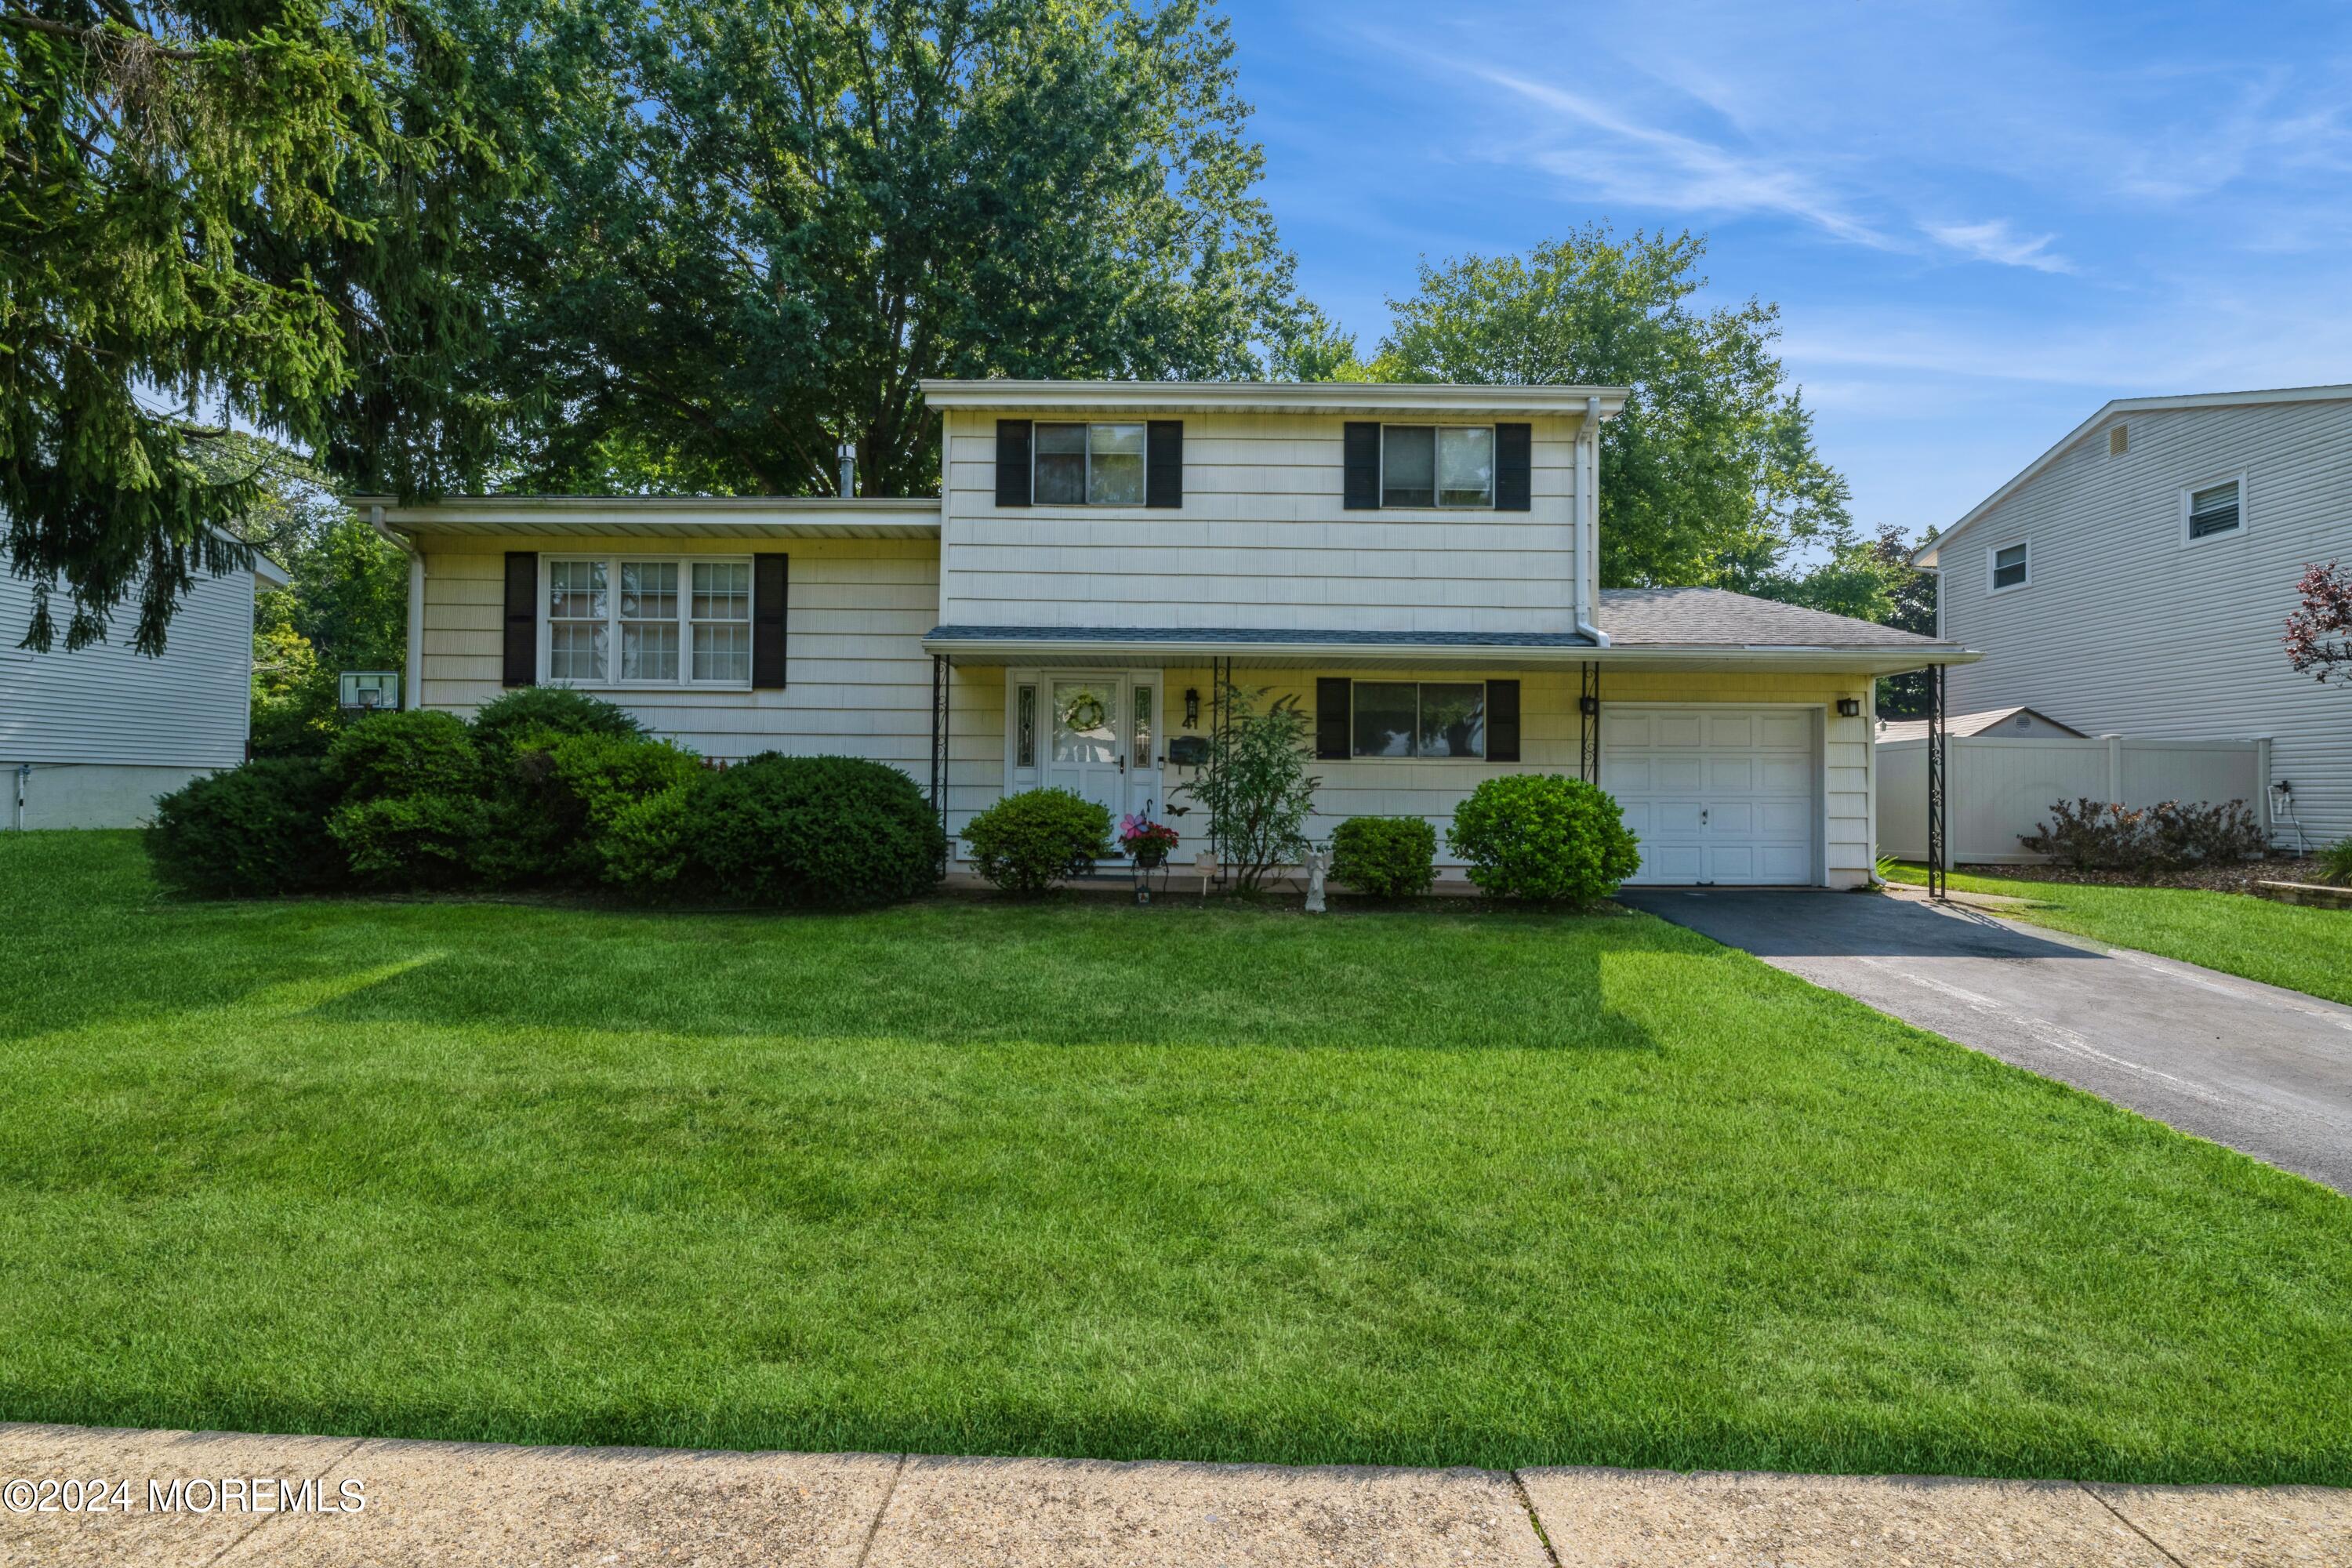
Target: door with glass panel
{"x":1087,"y":755}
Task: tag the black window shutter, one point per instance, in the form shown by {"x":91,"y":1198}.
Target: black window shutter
{"x":1163,"y":463}
{"x":770,"y":582}
{"x":1362,"y":457}
{"x":1514,"y":468}
{"x":1502,"y":720}
{"x":522,"y":621}
{"x":1013,"y":462}
{"x":1334,"y":704}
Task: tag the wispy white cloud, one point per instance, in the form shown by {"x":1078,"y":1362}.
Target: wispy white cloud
{"x":1994,"y":240}
{"x":1657,"y":166}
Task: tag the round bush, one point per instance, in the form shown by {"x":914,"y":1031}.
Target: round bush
{"x":419,"y":752}
{"x":428,"y":840}
{"x":1385,"y":857}
{"x":250,"y":832}
{"x":503,"y":721}
{"x":1027,"y":842}
{"x":554,"y":795}
{"x":824,"y":832}
{"x":1543,"y":836}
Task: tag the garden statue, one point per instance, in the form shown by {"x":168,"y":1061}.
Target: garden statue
{"x":1319,"y":863}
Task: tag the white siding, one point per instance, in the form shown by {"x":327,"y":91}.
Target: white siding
{"x":858,"y":682}
{"x":2127,"y":629}
{"x":104,"y":703}
{"x":1262,"y":540}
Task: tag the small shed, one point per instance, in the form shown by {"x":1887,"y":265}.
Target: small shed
{"x":2008,"y":723}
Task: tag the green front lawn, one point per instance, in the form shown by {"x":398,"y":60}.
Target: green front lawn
{"x":1431,"y":1188}
{"x":2301,"y":948}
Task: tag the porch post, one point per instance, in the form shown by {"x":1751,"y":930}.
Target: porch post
{"x":1588,"y":723}
{"x":940,"y":752}
{"x":1936,"y":782}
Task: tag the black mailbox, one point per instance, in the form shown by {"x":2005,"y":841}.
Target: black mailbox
{"x":1189,"y":751}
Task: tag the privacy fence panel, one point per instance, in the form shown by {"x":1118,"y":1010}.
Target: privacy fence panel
{"x":2000,"y":789}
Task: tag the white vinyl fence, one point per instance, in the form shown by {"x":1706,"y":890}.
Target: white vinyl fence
{"x":1998,"y":790}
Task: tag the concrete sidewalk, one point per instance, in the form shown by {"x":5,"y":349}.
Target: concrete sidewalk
{"x":453,"y":1505}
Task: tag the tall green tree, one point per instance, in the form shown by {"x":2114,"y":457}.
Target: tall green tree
{"x":1710,"y":475}
{"x":215,"y":215}
{"x":765,"y":221}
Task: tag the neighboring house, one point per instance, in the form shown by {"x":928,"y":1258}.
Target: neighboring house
{"x":1413,"y":564}
{"x":2136,"y":579}
{"x":2009,"y":723}
{"x":90,"y":738}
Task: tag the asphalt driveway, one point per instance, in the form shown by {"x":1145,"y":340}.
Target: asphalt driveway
{"x":2264,"y":1070}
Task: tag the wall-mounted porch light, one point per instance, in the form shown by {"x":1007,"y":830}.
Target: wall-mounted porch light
{"x":1192,"y":708}
{"x":1588,"y":706}
{"x":1849,"y":706}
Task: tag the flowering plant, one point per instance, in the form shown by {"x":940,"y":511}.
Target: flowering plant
{"x":1146,"y":840}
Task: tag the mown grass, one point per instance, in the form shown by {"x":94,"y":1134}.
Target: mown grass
{"x":1421,"y":1187}
{"x":2301,"y":949}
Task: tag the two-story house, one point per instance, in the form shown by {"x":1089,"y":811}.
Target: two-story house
{"x":1414,"y":565}
{"x":2197,"y":513}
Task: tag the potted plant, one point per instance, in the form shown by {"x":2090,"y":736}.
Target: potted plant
{"x":1147,"y":844}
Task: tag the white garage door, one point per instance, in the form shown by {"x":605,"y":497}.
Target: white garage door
{"x":1716,"y":794}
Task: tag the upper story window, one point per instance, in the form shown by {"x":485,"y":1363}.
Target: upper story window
{"x":1437,"y":465}
{"x":2010,"y":566}
{"x":1089,"y":465}
{"x":632,"y":621}
{"x":2211,"y":510}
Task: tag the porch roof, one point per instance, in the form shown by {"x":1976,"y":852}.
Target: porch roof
{"x":1277,"y":648}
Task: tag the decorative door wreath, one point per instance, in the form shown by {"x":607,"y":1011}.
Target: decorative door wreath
{"x":1084,"y":712}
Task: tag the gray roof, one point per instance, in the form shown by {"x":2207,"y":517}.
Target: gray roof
{"x":1634,"y":617}
{"x":1698,"y":617}
{"x":1241,"y":636}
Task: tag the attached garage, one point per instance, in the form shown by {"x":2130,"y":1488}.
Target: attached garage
{"x":1717,"y":794}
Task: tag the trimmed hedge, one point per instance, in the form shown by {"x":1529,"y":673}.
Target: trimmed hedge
{"x":1027,"y":842}
{"x":1385,"y":857}
{"x":251,"y":832}
{"x":504,"y":721}
{"x":1545,"y":838}
{"x":814,"y":832}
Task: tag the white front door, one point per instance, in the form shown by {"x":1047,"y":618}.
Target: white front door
{"x":1087,"y":753}
{"x":1103,"y":739}
{"x":1721,"y":795}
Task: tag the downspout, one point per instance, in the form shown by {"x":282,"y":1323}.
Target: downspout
{"x":1588,"y":525}
{"x":411,"y":676}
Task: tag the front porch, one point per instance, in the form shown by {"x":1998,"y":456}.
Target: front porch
{"x":1728,"y":775}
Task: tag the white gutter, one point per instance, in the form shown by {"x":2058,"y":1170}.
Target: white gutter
{"x":1588,"y":525}
{"x":411,"y":676}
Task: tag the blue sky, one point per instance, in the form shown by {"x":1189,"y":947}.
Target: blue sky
{"x":1980,"y":223}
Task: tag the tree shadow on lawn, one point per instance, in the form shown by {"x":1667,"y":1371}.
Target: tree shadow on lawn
{"x":966,"y":974}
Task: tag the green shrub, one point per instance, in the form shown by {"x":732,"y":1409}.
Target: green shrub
{"x":642,"y":848}
{"x":250,"y":832}
{"x":428,"y":840}
{"x":415,"y":752}
{"x":1385,"y":857}
{"x":2336,"y":860}
{"x":1543,"y":836}
{"x":1027,"y":842}
{"x":2102,"y":836}
{"x":413,"y":812}
{"x":824,"y":832}
{"x":504,"y":720}
{"x":1256,"y":786}
{"x":553,"y":796}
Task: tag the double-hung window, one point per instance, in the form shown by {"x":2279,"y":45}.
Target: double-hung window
{"x":2211,"y":510}
{"x":1437,"y":465}
{"x":639,"y":621}
{"x":1420,"y":719}
{"x":2009,"y":566}
{"x":1089,"y":465}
